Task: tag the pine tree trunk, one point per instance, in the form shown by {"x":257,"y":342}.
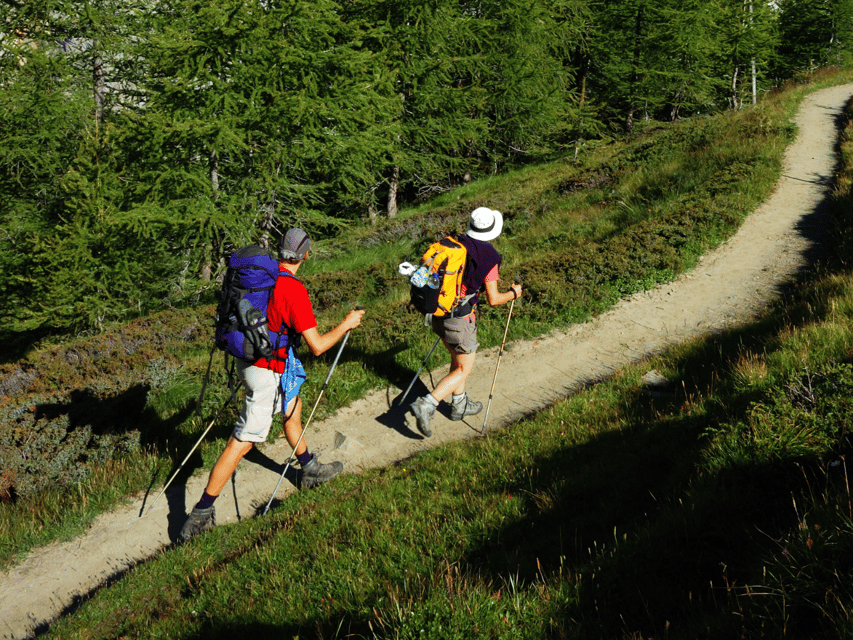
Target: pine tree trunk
{"x":98,"y":87}
{"x":214,"y":173}
{"x":580,"y":119}
{"x":635,"y":72}
{"x":393,"y":185}
{"x":733,"y":100}
{"x":754,"y":82}
{"x":207,"y":268}
{"x":754,"y":85}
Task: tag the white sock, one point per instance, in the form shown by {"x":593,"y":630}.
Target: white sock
{"x":459,"y":399}
{"x":428,"y":397}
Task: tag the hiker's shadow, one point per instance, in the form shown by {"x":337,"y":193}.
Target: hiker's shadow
{"x":399,"y":418}
{"x":405,"y":386}
{"x":395,"y":418}
{"x":286,"y":473}
{"x":176,"y":495}
{"x":384,"y":365}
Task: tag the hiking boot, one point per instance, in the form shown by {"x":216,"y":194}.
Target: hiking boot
{"x":314,"y":473}
{"x":467,"y":407}
{"x":423,"y":412}
{"x":200,"y":520}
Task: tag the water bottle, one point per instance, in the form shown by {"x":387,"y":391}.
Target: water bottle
{"x":434,"y":281}
{"x":420,"y":277}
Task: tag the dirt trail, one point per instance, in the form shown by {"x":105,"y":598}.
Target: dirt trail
{"x":727,"y":288}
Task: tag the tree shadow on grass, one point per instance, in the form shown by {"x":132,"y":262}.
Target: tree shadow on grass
{"x":661,"y":539}
{"x":651,"y":540}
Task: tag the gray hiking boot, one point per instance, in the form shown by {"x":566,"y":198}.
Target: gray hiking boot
{"x":467,"y":407}
{"x":200,"y":520}
{"x":314,"y":473}
{"x":423,"y":412}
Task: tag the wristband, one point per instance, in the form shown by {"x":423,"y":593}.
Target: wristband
{"x":514,"y":294}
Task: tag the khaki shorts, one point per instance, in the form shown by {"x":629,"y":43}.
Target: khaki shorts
{"x":460,"y":334}
{"x":263,"y":400}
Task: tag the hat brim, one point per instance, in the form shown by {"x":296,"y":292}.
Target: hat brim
{"x":492,"y":233}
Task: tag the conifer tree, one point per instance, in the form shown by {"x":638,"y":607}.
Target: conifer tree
{"x":814,"y":33}
{"x":258,"y":115}
{"x":477,"y":83}
{"x":625,"y":54}
{"x":528,"y":79}
{"x":46,"y":117}
{"x":746,"y":43}
{"x":688,"y":30}
{"x":429,"y":47}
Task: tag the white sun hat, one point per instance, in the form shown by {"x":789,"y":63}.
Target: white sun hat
{"x":485,"y":224}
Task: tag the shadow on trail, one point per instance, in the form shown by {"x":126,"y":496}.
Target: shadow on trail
{"x":404,"y":387}
{"x":817,"y":226}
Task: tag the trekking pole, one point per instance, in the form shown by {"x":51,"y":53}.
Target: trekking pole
{"x":174,"y":475}
{"x":498,"y":366}
{"x":423,"y":364}
{"x":305,"y":428}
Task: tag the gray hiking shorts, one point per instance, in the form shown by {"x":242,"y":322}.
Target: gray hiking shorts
{"x":460,"y":334}
{"x":263,"y":400}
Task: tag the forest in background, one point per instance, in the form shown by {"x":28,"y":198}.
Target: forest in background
{"x":142,"y":141}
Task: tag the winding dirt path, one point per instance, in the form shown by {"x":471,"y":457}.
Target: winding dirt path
{"x":728,"y":288}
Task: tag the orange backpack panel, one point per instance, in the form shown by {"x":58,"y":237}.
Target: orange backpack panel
{"x":445,"y":261}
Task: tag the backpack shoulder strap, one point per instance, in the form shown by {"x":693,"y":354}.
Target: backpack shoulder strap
{"x":286,"y":273}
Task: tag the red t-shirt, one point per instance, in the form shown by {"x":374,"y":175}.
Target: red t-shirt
{"x":291,"y":306}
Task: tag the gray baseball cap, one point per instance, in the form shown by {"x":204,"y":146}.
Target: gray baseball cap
{"x":294,"y":245}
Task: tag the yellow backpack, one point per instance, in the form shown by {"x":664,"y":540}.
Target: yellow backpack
{"x":437,"y":284}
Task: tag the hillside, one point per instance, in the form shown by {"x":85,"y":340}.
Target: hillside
{"x":728,"y":288}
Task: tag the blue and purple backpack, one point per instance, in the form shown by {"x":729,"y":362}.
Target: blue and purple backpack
{"x":241,"y":316}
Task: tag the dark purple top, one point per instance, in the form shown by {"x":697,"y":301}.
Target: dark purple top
{"x":482,"y":258}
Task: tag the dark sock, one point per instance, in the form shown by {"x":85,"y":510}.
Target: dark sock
{"x":206,"y":501}
{"x":304,"y":458}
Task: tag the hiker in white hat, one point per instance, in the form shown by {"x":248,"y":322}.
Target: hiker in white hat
{"x":458,"y":330}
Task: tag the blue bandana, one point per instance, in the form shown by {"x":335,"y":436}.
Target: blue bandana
{"x":292,"y":378}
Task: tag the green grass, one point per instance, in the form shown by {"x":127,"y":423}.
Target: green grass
{"x":629,"y":215}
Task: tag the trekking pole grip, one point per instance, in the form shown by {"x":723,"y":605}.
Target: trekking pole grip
{"x":516,"y":280}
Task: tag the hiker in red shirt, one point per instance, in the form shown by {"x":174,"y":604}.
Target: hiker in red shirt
{"x":272,"y":384}
{"x":458,"y":331}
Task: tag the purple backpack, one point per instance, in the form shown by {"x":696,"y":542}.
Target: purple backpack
{"x":241,"y":316}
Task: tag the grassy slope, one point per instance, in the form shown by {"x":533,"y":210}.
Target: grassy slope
{"x":723,"y":511}
{"x":495,"y":537}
